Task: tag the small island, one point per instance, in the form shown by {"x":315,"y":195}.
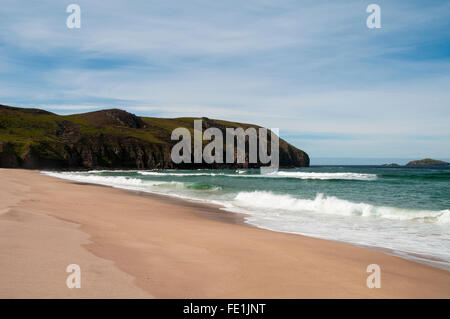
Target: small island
{"x":391,"y":165}
{"x":428,"y":162}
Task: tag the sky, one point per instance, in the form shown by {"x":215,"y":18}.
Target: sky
{"x":312,"y":68}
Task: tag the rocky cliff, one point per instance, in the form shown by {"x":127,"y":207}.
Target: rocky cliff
{"x":111,"y":139}
{"x":428,"y":162}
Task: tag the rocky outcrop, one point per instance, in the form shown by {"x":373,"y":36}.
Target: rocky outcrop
{"x":109,"y":139}
{"x":113,"y":117}
{"x":427,"y":162}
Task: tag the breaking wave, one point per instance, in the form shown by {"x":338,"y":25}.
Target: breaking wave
{"x":278,"y":174}
{"x":335,"y":206}
{"x":131,"y":183}
{"x":324,"y":176}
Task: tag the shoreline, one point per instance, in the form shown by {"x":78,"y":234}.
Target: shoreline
{"x":176,"y":250}
{"x":220,"y":213}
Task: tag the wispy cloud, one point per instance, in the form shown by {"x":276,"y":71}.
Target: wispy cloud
{"x":311,"y":68}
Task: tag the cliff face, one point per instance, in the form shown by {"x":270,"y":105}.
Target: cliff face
{"x":32,"y":138}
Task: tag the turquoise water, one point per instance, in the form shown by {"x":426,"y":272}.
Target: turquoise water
{"x":403,"y":210}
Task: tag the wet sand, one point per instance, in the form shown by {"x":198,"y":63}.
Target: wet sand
{"x":134,"y":246}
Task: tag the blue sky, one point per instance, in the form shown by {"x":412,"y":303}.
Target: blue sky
{"x":312,"y":68}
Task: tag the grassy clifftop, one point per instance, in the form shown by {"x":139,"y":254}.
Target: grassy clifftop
{"x":33,"y":138}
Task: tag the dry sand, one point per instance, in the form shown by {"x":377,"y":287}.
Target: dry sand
{"x":142,"y":247}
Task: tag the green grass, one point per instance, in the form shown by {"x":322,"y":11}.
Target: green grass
{"x":48,"y":134}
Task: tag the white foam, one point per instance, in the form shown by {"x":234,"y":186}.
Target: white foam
{"x":95,"y":171}
{"x":324,"y":176}
{"x":445,"y":217}
{"x":103,"y":180}
{"x":404,"y":232}
{"x":278,"y":174}
{"x":153,"y":173}
{"x":126,"y":182}
{"x":333,"y":205}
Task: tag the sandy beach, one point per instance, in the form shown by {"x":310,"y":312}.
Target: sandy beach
{"x":134,"y":246}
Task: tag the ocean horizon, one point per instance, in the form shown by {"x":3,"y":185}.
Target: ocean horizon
{"x":365,"y":161}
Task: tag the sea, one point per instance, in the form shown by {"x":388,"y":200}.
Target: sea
{"x":403,"y":211}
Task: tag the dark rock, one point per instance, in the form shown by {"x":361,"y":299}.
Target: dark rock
{"x":391,"y":165}
{"x":428,"y":162}
{"x":109,"y":139}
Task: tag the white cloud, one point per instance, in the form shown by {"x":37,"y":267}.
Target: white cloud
{"x":305,"y":67}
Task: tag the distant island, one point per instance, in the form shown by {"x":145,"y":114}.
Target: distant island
{"x":428,"y":162}
{"x":106,"y":139}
